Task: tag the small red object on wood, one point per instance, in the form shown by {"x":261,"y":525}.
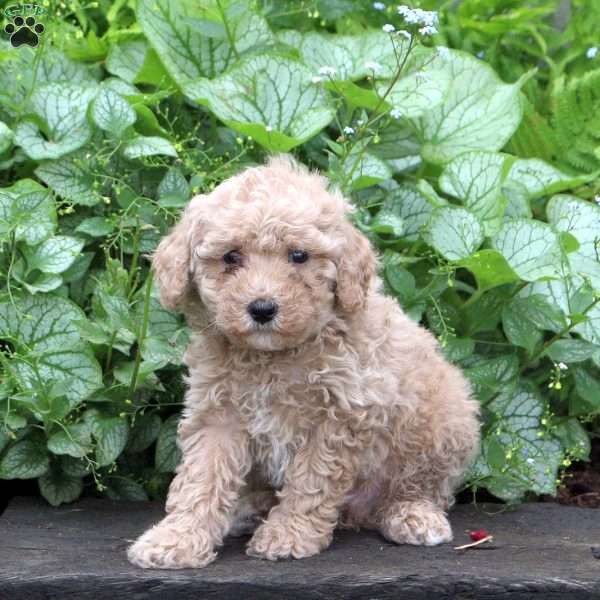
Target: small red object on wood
{"x":478,"y":535}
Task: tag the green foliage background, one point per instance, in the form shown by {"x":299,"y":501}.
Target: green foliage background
{"x":474,"y":170}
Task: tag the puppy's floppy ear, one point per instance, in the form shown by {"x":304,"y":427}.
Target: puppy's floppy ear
{"x":171,"y":261}
{"x":356,"y":268}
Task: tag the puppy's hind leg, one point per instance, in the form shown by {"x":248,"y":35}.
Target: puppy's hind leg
{"x":416,"y":522}
{"x":426,"y":470}
{"x":422,"y":489}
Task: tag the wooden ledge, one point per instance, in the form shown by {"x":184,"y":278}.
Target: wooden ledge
{"x":77,"y":552}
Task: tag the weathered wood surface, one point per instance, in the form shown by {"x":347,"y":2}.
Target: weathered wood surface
{"x":77,"y":552}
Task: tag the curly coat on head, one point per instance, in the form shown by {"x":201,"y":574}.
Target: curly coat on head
{"x":312,"y":397}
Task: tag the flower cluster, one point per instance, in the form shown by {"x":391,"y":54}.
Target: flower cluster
{"x":555,"y":382}
{"x":426,"y":19}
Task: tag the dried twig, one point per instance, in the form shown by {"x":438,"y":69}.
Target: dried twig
{"x":489,"y":538}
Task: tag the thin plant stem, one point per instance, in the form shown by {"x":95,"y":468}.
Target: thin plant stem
{"x":142,"y":336}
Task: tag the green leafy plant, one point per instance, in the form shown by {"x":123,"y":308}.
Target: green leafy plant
{"x":487,"y":230}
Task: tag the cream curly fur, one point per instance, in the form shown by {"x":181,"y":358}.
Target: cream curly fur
{"x":342,"y":405}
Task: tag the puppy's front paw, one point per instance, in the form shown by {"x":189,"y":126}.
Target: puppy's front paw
{"x":167,"y":547}
{"x":419,"y":523}
{"x":275,"y":540}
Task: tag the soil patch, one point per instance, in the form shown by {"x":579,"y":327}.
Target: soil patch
{"x":581,"y":484}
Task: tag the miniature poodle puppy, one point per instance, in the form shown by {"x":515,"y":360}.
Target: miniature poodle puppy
{"x":313,"y":401}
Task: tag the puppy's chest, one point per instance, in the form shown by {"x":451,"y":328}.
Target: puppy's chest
{"x":272,"y":446}
{"x":278,"y":415}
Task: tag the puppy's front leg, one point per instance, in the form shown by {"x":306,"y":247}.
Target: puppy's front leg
{"x":321,"y":475}
{"x":201,"y":497}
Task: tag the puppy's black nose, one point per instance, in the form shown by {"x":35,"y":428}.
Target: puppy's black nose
{"x":262,"y":310}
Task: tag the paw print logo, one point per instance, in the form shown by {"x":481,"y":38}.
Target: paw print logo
{"x":24,"y":31}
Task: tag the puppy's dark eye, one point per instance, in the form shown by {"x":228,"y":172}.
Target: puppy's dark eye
{"x":297,"y":256}
{"x":233,"y":257}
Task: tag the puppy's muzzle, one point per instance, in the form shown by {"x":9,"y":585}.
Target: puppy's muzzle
{"x":262,"y":310}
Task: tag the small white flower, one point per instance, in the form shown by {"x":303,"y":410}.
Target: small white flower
{"x":597,"y":199}
{"x":562,"y":366}
{"x":592,"y":52}
{"x":317,"y":79}
{"x":428,"y":30}
{"x":378,"y":5}
{"x":395,"y":113}
{"x":348,"y":130}
{"x":360,"y":122}
{"x":530,"y":461}
{"x":405,"y":34}
{"x":372,"y":66}
{"x":328,"y":71}
{"x":388,"y":28}
{"x":269,"y":128}
{"x":480,"y":54}
{"x":442,"y":52}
